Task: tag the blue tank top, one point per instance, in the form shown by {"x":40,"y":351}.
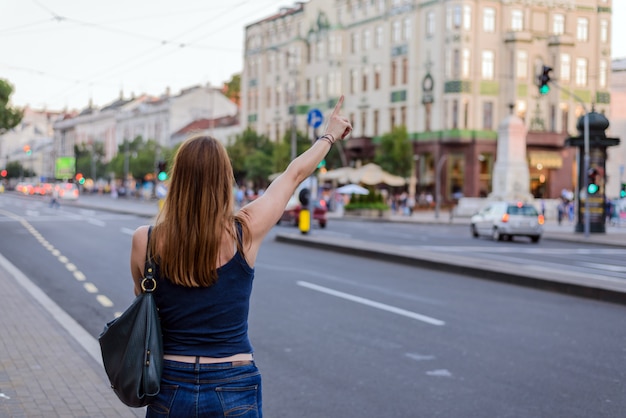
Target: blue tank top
{"x":207,"y":321}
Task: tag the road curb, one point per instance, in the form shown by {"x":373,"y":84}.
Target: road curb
{"x":588,"y":286}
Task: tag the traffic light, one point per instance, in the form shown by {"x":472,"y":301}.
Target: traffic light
{"x":27,"y":150}
{"x":592,"y":184}
{"x":544,"y":80}
{"x":622,"y":192}
{"x":80,"y":178}
{"x":162,"y":169}
{"x":3,"y":173}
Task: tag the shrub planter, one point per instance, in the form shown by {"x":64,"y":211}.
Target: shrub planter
{"x":369,"y":213}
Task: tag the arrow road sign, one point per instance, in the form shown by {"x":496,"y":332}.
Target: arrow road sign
{"x":314,"y":118}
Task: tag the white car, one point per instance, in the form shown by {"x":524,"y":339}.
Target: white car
{"x":501,"y":220}
{"x":67,"y":191}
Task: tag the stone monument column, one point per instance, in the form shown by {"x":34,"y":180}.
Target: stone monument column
{"x":511,"y":177}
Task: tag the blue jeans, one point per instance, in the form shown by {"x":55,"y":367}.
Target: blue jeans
{"x":208,"y":390}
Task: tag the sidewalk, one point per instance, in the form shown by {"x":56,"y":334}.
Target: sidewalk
{"x":48,"y":365}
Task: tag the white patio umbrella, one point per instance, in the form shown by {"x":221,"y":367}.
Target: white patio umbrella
{"x":352,"y":189}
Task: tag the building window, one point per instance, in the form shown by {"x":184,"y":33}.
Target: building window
{"x":364,"y":77}
{"x":581,"y":72}
{"x":396,"y":32}
{"x":582,"y":29}
{"x":268,"y":97}
{"x":354,"y":77}
{"x":403,"y":116}
{"x":392,"y":118}
{"x":354,"y":43}
{"x":553,"y":116}
{"x":604,"y":31}
{"x":393,"y":73}
{"x":489,"y":19}
{"x":363,"y":122}
{"x":379,"y":37}
{"x":366,"y":40}
{"x":467,"y":17}
{"x":564,"y":118}
{"x":406,"y":29}
{"x":566,"y":67}
{"x":455,"y":114}
{"x":517,"y":20}
{"x":457,"y":17}
{"x":488,"y":116}
{"x":522,"y":65}
{"x":558,"y":24}
{"x":488,"y":64}
{"x":377,"y":71}
{"x":456,"y":64}
{"x":448,"y":64}
{"x":381,"y":6}
{"x":430,"y":24}
{"x":376,"y":122}
{"x":405,"y":70}
{"x":465,"y":66}
{"x":603,"y":74}
{"x":319,"y":87}
{"x":465,"y":114}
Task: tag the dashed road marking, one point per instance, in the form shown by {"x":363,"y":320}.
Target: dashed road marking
{"x":90,"y":287}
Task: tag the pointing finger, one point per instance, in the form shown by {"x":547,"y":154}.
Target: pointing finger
{"x":337,"y":107}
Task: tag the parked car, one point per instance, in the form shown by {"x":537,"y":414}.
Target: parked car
{"x":502,"y":220}
{"x":292,"y":212}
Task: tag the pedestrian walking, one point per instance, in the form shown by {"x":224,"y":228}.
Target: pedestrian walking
{"x":54,"y":197}
{"x":205,"y":253}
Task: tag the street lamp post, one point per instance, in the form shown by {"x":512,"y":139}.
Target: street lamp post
{"x":440,"y":163}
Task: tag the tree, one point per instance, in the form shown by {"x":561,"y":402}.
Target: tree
{"x":282,"y":151}
{"x":141,"y":158}
{"x":16,"y":170}
{"x":10,"y":117}
{"x":89,"y":159}
{"x":232,"y":89}
{"x":395,"y":153}
{"x":245,"y":145}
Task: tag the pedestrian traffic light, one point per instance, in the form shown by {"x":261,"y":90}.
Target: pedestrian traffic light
{"x":544,"y":80}
{"x":622,"y":192}
{"x":162,"y":169}
{"x":592,"y":184}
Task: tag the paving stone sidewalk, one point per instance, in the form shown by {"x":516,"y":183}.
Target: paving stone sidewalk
{"x":45,"y":369}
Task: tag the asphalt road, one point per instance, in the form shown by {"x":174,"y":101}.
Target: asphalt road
{"x":344,"y":336}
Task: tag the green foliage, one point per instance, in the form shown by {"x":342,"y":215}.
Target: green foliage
{"x":395,"y":153}
{"x":246,"y":144}
{"x":10,"y":117}
{"x":16,"y":170}
{"x":373,"y":200}
{"x":232,"y":89}
{"x":282,"y":152}
{"x":141,"y":158}
{"x":88,"y":159}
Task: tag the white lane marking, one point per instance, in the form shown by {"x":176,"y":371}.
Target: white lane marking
{"x":606,"y":267}
{"x":439,"y":373}
{"x":419,"y":357}
{"x":2,"y":395}
{"x":79,"y":276}
{"x":70,"y":267}
{"x":90,"y":287}
{"x":32,"y":212}
{"x":373,"y":304}
{"x":104,"y":301}
{"x":63,"y":259}
{"x":127,"y":231}
{"x":96,"y":222}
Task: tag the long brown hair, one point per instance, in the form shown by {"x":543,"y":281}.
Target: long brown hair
{"x":197,"y":209}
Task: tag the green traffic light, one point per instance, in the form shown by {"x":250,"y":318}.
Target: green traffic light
{"x":592,"y":188}
{"x":544,"y":89}
{"x":162,"y":176}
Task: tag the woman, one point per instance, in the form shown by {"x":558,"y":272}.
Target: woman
{"x":205,"y":257}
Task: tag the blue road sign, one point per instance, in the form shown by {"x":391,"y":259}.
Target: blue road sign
{"x":314,"y":118}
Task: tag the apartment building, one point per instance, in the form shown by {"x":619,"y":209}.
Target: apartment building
{"x":450,"y":71}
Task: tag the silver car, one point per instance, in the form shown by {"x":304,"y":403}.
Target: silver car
{"x":501,"y":220}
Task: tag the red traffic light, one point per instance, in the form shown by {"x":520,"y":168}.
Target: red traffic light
{"x":3,"y":173}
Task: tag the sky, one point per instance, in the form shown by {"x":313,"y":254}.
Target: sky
{"x":60,"y":54}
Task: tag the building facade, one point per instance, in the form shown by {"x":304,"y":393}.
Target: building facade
{"x":449,"y":71}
